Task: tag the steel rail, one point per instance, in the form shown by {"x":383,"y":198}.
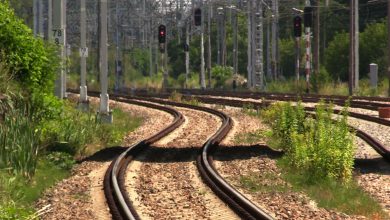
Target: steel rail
{"x":234,"y":199}
{"x":115,"y":192}
{"x":383,"y":150}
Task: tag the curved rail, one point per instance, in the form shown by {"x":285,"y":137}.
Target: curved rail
{"x":234,"y":199}
{"x":114,"y":187}
{"x":383,"y":150}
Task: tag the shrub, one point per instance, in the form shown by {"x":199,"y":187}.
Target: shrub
{"x":221,"y":74}
{"x":317,"y":146}
{"x":32,"y":64}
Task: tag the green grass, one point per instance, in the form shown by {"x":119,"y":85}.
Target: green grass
{"x":25,"y":192}
{"x":348,"y":197}
{"x":267,"y":183}
{"x":249,"y":137}
{"x":17,"y":194}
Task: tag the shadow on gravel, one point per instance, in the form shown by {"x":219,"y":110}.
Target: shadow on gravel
{"x":107,"y":154}
{"x":376,"y":165}
{"x":188,"y":154}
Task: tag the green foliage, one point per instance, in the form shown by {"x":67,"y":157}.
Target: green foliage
{"x":372,"y":49}
{"x":322,"y":147}
{"x":11,"y":211}
{"x":19,"y":143}
{"x":288,"y":56}
{"x":61,"y":160}
{"x":336,"y":56}
{"x":348,"y":198}
{"x":17,"y":194}
{"x":317,"y":81}
{"x":30,"y":62}
{"x":221,"y":74}
{"x":249,"y":138}
{"x":65,"y":134}
{"x":285,"y":120}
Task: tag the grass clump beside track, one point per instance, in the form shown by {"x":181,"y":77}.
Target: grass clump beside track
{"x":318,"y":160}
{"x":57,"y":142}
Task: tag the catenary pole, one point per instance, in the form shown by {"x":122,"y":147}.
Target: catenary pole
{"x":58,"y":33}
{"x":351,"y":48}
{"x":249,"y":66}
{"x":49,"y":20}
{"x":187,"y":53}
{"x":308,"y":57}
{"x":83,"y":101}
{"x":356,"y":44}
{"x":388,"y":45}
{"x":209,"y":43}
{"x":104,"y":110}
{"x":202,"y":63}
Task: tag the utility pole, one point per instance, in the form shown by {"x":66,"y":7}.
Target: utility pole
{"x":258,"y":47}
{"x":49,"y":20}
{"x":150,"y":23}
{"x":235,"y":41}
{"x":36,"y":17}
{"x":388,"y":45}
{"x":275,"y":38}
{"x":202,"y":63}
{"x":209,"y":43}
{"x":118,"y":64}
{"x":308,"y":24}
{"x":356,"y":44}
{"x":59,"y":33}
{"x":219,"y":24}
{"x":40,"y":19}
{"x":187,"y":53}
{"x":269,"y":68}
{"x":249,"y":66}
{"x":354,"y":47}
{"x":316,"y":49}
{"x":104,"y":112}
{"x":83,"y":101}
{"x":67,"y":53}
{"x":223,"y":50}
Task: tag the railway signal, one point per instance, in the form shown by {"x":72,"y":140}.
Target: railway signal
{"x":162,"y":33}
{"x":198,"y":17}
{"x":297,"y":26}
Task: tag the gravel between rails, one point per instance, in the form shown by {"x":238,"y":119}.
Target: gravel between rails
{"x":164,"y":181}
{"x":81,"y":195}
{"x":258,"y":161}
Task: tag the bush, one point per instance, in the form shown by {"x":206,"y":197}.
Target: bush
{"x":320,"y":147}
{"x":221,"y":74}
{"x":32,"y":64}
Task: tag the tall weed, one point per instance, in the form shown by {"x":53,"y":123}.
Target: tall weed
{"x":19,"y":143}
{"x":317,"y":146}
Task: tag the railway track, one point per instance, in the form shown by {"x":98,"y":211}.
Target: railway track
{"x":114,"y":189}
{"x":242,"y":206}
{"x":117,"y":198}
{"x":382,"y":149}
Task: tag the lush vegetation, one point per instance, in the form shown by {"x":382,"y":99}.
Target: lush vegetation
{"x":40,"y":136}
{"x":319,"y":146}
{"x":318,"y":158}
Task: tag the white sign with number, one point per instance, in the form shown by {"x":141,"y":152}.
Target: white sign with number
{"x":84,"y":52}
{"x":58,"y":36}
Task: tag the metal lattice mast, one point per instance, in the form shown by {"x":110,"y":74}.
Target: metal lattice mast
{"x":258,"y":46}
